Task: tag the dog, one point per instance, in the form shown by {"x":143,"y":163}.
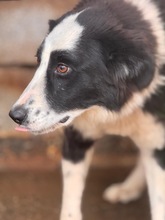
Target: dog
{"x":101,"y":70}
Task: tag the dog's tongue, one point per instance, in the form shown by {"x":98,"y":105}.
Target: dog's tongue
{"x":20,"y":128}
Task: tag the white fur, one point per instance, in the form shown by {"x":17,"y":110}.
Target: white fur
{"x":97,"y":122}
{"x":74,"y":176}
{"x":156,"y":186}
{"x":64,"y":36}
{"x":131,"y":189}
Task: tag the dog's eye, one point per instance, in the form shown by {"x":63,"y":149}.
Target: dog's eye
{"x":62,"y":69}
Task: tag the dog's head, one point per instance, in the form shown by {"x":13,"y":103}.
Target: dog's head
{"x":84,"y":61}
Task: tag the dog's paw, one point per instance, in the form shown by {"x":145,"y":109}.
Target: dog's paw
{"x":121,"y":193}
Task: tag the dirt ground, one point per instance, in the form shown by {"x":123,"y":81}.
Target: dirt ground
{"x":37,"y":196}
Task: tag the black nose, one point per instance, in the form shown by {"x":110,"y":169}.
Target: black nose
{"x":18,"y":114}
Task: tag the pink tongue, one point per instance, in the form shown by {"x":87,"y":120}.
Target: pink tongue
{"x":21,"y":129}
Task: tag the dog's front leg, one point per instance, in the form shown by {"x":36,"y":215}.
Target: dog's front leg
{"x":77,"y":154}
{"x":155,"y":173}
{"x":148,"y":133}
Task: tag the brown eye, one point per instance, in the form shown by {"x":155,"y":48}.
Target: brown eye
{"x":62,"y":69}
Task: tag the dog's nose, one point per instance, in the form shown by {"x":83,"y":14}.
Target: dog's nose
{"x":18,"y":114}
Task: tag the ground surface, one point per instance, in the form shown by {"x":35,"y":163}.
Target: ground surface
{"x":37,"y":196}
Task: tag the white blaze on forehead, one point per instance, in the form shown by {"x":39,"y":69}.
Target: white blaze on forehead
{"x":65,"y":35}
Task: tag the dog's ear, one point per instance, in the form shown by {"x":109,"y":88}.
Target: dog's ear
{"x":52,"y":24}
{"x":134,"y":70}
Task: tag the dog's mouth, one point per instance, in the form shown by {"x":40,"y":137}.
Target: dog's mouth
{"x":44,"y":130}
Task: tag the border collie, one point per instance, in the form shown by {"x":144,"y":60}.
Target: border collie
{"x":101,"y":71}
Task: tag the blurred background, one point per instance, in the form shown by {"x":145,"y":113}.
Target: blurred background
{"x":30,"y":180}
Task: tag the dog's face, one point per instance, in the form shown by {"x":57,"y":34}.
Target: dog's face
{"x":80,"y":66}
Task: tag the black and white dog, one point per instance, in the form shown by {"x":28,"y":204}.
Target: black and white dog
{"x":101,"y":72}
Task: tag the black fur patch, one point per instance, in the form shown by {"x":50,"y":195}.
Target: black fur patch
{"x":37,"y":112}
{"x":161,"y":5}
{"x":52,"y":24}
{"x":160,"y":157}
{"x":31,"y":102}
{"x":156,"y":104}
{"x":123,"y":41}
{"x":75,"y":146}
